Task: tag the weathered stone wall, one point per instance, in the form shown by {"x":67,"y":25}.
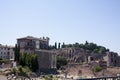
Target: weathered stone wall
{"x":78,"y":55}
{"x":73,"y":55}
{"x":6,"y":52}
{"x":112,"y":59}
{"x":46,"y":60}
{"x":29,"y":44}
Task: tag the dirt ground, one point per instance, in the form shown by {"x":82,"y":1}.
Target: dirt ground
{"x":81,"y":70}
{"x":3,"y":77}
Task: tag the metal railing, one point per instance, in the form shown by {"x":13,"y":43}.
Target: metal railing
{"x":103,"y":78}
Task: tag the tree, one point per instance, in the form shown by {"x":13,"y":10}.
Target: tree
{"x":76,"y":45}
{"x":61,"y":61}
{"x":82,"y":46}
{"x":63,"y":45}
{"x":55,"y":45}
{"x":59,"y":45}
{"x":30,"y":60}
{"x":70,"y":45}
{"x":102,"y":50}
{"x":34,"y":63}
{"x":17,"y":52}
{"x":97,"y":69}
{"x":86,"y":43}
{"x":21,"y":60}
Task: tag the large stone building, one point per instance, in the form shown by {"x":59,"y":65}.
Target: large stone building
{"x":6,"y":52}
{"x":39,"y":46}
{"x":29,"y":44}
{"x":47,"y":60}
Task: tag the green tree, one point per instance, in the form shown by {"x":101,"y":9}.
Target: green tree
{"x":63,"y":45}
{"x":34,"y":63}
{"x":21,"y":59}
{"x":61,"y":61}
{"x":30,"y":60}
{"x":102,"y":50}
{"x":97,"y":69}
{"x":55,"y":45}
{"x":82,"y":46}
{"x":76,"y":45}
{"x":70,"y":45}
{"x":59,"y":45}
{"x":17,"y":52}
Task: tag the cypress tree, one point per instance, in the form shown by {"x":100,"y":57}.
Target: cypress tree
{"x":59,"y":46}
{"x":55,"y":45}
{"x":15,"y":52}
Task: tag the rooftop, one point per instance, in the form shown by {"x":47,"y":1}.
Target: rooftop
{"x":34,"y":38}
{"x":5,"y":46}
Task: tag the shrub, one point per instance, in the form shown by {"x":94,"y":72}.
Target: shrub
{"x":61,"y":61}
{"x":97,"y":69}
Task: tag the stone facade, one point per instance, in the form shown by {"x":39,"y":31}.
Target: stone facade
{"x":95,"y":57}
{"x":29,"y":44}
{"x":6,"y":52}
{"x":39,"y":46}
{"x":73,"y":55}
{"x":100,"y":63}
{"x":112,"y":59}
{"x":47,"y":60}
{"x":78,"y":55}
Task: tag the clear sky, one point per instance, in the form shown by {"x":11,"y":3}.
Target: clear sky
{"x":66,"y":21}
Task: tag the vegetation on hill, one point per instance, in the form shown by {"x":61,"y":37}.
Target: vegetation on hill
{"x":90,"y":47}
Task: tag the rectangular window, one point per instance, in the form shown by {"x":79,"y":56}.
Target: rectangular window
{"x":8,"y":53}
{"x":8,"y":48}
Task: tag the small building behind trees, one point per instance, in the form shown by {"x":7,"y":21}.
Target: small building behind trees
{"x":6,"y":52}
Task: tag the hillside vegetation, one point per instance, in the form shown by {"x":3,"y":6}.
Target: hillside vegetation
{"x":90,"y":47}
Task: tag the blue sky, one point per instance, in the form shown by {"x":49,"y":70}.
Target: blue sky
{"x":66,"y":21}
